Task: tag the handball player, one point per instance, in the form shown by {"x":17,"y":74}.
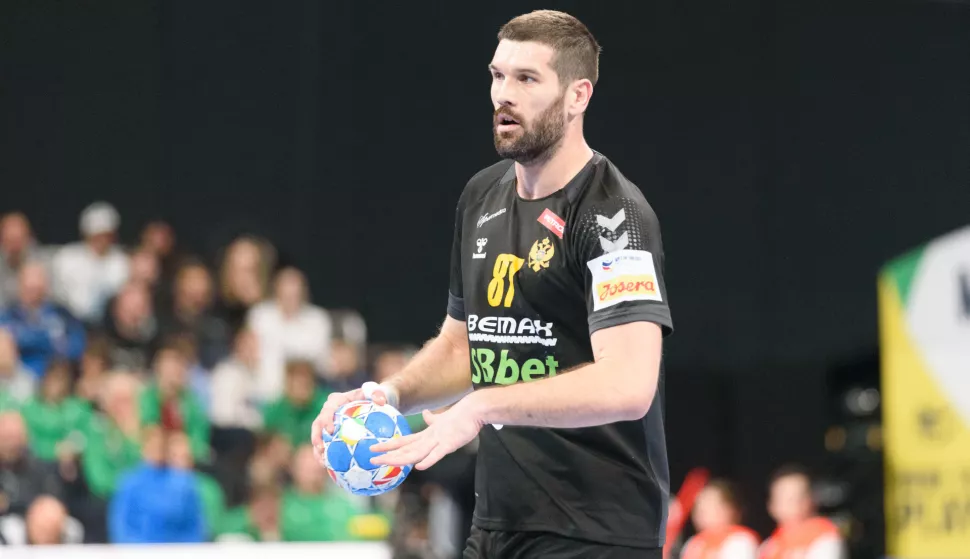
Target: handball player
{"x":551,"y":349}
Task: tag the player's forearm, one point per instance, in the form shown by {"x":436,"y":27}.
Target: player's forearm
{"x":585,"y":397}
{"x":437,"y":376}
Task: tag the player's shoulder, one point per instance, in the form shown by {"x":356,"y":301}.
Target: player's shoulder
{"x":611,"y":197}
{"x":610,"y":187}
{"x":482,"y":181}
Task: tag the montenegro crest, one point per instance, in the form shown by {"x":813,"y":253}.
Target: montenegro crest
{"x":541,"y":254}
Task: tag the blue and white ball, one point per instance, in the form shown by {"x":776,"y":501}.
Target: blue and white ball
{"x":357,"y":427}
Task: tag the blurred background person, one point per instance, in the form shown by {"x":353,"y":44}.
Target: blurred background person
{"x":17,"y":383}
{"x":191,"y":313}
{"x":800,"y":532}
{"x":112,"y":446}
{"x":289,"y":327}
{"x":210,"y":492}
{"x":94,"y":365}
{"x":350,"y":326}
{"x":55,"y":419}
{"x":131,"y":328}
{"x":236,"y":397}
{"x":23,"y":477}
{"x":17,"y":247}
{"x":244,"y":276}
{"x":293,"y":413}
{"x":311,"y":511}
{"x":46,"y":523}
{"x":169,"y":403}
{"x":88,"y":273}
{"x":158,"y":239}
{"x":43,"y":329}
{"x":258,"y":520}
{"x":49,"y":524}
{"x":156,"y":503}
{"x":145,"y":270}
{"x":346,"y":370}
{"x":271,"y":460}
{"x":236,"y":411}
{"x":199,"y":377}
{"x":716,"y":516}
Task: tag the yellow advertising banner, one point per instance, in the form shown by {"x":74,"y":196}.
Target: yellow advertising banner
{"x":924,"y":322}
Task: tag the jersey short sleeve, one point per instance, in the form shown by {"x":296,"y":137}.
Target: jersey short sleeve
{"x":456,"y":301}
{"x":620,"y":253}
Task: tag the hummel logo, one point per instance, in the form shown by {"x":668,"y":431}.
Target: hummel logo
{"x":613,"y":246}
{"x":611,"y":223}
{"x":481,"y":245}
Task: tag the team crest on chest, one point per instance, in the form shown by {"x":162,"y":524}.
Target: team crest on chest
{"x":540,"y":255}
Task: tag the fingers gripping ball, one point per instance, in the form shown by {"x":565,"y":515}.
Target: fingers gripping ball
{"x":357,"y":427}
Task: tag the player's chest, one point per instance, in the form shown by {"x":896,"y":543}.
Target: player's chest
{"x":515,"y":254}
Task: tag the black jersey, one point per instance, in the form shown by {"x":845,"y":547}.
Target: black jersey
{"x":533,"y":279}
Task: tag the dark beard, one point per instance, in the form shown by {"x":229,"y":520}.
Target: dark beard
{"x":537,"y":141}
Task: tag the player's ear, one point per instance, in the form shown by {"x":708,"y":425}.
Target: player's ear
{"x":578,"y":95}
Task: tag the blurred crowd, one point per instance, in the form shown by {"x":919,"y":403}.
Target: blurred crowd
{"x":717,"y":511}
{"x":148,"y":395}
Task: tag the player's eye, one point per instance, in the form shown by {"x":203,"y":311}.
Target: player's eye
{"x":527,"y":79}
{"x":497,"y":75}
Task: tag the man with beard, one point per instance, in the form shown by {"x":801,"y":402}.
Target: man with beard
{"x":557,"y":307}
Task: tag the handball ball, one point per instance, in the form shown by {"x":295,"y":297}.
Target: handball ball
{"x":357,"y":427}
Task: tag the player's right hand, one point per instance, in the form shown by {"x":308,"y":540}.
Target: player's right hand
{"x":324,"y":421}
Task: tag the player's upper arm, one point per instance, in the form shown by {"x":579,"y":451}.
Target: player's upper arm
{"x":630,"y":353}
{"x":620,"y":254}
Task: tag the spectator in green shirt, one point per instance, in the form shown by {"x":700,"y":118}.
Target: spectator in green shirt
{"x":312,"y":511}
{"x":258,"y":520}
{"x":55,"y":419}
{"x":213,"y":499}
{"x":169,"y":402}
{"x":112,"y":439}
{"x":292,"y":415}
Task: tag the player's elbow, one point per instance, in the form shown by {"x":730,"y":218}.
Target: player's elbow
{"x":636,"y":396}
{"x":637,"y":406}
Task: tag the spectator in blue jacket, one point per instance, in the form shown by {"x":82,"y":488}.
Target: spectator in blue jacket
{"x":43,"y":329}
{"x":156,"y":503}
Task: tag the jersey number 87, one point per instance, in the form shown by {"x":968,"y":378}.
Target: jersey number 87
{"x":505,"y":265}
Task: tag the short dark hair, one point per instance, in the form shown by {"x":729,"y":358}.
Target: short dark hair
{"x":791,"y":470}
{"x":298,"y":366}
{"x":99,"y":347}
{"x":728,"y":491}
{"x":577,"y":54}
{"x":182,"y":344}
{"x":59,"y":366}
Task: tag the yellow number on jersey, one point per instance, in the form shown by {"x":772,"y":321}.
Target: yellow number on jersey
{"x":505,"y":265}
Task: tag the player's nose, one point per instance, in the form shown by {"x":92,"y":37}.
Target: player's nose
{"x":503,"y":94}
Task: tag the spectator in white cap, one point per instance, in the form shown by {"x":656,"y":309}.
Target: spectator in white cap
{"x":88,"y":273}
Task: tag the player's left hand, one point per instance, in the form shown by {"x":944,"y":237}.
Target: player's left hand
{"x":446,"y":432}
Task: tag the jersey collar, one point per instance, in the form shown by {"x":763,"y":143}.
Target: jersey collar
{"x":572,"y":188}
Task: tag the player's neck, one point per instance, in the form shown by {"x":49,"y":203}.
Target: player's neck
{"x":546,"y":176}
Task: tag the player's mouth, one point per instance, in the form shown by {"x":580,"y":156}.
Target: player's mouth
{"x":506,"y":123}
